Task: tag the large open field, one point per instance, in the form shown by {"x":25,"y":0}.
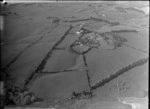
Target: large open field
{"x":53,"y":49}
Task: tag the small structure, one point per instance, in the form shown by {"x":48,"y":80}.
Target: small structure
{"x":82,"y":95}
{"x":86,"y":41}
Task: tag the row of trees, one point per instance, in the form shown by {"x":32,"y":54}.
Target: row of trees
{"x":119,"y":72}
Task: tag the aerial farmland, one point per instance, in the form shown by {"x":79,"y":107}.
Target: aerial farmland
{"x":75,"y":55}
